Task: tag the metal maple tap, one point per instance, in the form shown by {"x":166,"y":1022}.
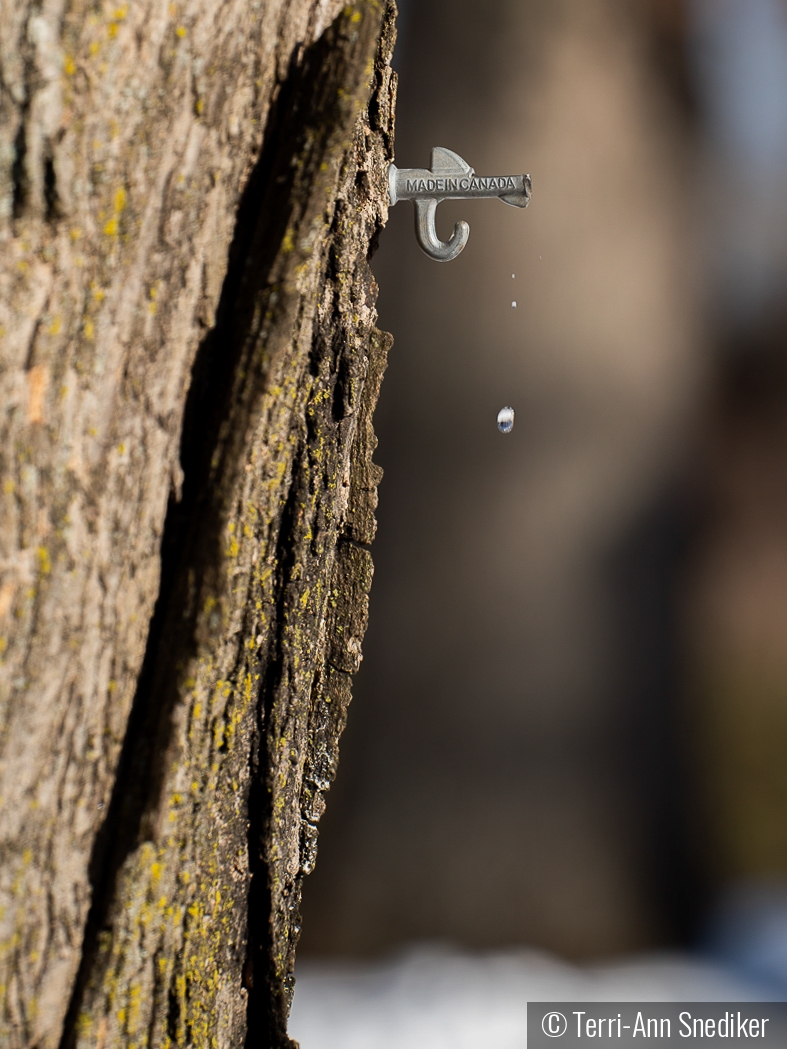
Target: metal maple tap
{"x":450,"y":178}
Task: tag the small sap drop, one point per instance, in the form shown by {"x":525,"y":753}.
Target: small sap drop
{"x":513,"y":305}
{"x":505,"y":420}
{"x":513,"y":275}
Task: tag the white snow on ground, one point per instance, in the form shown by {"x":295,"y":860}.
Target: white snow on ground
{"x":437,"y":998}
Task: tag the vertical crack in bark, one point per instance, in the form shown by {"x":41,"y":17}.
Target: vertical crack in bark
{"x":51,"y":198}
{"x":22,"y":178}
{"x":18,"y":173}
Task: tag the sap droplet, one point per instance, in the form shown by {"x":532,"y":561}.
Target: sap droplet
{"x":505,"y":420}
{"x":513,"y":305}
{"x":513,"y":275}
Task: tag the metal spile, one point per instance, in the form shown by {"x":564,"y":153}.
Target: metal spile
{"x":450,"y":178}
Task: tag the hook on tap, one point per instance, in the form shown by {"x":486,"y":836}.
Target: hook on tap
{"x":450,"y":178}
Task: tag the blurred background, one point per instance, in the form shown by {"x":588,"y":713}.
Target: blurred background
{"x":569,"y":733}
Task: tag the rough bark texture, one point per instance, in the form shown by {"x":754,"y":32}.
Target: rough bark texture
{"x":188,"y":365}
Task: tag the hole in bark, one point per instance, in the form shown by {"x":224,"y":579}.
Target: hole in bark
{"x":18,"y":172}
{"x":173,"y":1016}
{"x":51,"y":199}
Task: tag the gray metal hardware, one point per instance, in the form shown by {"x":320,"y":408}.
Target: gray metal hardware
{"x":450,"y":178}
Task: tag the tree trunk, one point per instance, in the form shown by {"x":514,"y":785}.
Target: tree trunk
{"x":189,"y":194}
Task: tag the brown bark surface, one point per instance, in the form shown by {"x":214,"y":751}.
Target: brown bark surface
{"x":188,"y":367}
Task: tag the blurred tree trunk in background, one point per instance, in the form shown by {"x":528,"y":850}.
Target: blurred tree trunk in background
{"x":188,"y":365}
{"x":735,"y":605}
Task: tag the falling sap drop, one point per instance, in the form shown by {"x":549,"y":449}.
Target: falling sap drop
{"x":513,"y":275}
{"x":513,"y":305}
{"x":505,"y":420}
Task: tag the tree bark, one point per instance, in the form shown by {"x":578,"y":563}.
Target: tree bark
{"x":189,"y":195}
